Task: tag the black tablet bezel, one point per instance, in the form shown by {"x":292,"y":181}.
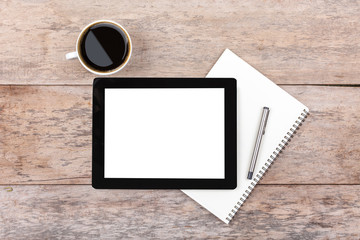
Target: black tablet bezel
{"x":98,"y":179}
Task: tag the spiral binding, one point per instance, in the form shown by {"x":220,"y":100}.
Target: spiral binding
{"x":272,"y":158}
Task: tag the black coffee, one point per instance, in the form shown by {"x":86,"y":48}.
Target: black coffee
{"x":104,"y":47}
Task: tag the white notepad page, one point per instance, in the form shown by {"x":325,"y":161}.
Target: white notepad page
{"x":254,"y":91}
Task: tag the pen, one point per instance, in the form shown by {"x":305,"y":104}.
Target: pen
{"x":261,"y":132}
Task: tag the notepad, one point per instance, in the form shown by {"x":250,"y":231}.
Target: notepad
{"x":254,"y":91}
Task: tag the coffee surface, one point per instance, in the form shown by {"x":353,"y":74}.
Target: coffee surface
{"x":104,"y":47}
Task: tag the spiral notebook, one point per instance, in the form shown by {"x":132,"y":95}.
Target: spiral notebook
{"x":286,"y":114}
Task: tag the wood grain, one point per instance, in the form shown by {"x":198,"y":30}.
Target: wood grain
{"x":45,"y":131}
{"x":272,"y":212}
{"x":292,"y":42}
{"x":46,"y":137}
{"x":45,"y":134}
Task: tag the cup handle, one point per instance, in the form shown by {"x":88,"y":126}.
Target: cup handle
{"x":71,"y":55}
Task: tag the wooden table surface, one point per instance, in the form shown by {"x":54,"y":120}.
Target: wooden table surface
{"x":310,"y":48}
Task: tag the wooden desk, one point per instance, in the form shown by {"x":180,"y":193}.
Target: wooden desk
{"x":310,"y":48}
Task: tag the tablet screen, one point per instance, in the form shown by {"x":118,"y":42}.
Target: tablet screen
{"x":164,"y":133}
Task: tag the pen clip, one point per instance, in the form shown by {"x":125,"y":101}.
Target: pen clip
{"x":266,"y":118}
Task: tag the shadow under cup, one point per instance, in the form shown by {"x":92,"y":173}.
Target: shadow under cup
{"x":104,"y":47}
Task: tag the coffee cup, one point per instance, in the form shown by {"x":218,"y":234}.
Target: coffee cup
{"x":103,"y":47}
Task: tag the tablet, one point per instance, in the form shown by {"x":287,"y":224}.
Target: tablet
{"x":164,"y":133}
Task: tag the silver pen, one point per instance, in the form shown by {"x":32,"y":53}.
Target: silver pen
{"x":261,"y":132}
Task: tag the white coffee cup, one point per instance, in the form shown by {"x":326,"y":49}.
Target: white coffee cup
{"x":77,"y":54}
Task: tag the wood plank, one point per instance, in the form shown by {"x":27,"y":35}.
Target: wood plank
{"x":272,"y":212}
{"x":326,"y":148}
{"x":313,"y":42}
{"x":45,"y":134}
{"x":46,"y":137}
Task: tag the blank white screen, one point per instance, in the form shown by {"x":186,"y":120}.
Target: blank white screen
{"x":164,"y":133}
